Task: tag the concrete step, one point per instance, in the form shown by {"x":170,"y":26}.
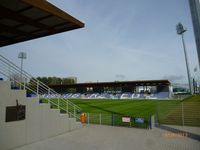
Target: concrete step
{"x":12,"y":134}
{"x":45,"y":121}
{"x":79,"y":125}
{"x":33,"y":120}
{"x":35,"y":99}
{"x":64,"y":118}
{"x":72,"y":124}
{"x":11,"y":96}
{"x":55,"y":122}
{"x":4,"y":86}
{"x":45,"y":105}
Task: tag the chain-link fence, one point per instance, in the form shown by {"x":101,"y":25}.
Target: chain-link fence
{"x":117,"y":120}
{"x":183,"y":113}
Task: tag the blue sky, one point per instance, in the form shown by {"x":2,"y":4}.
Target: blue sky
{"x":122,"y":40}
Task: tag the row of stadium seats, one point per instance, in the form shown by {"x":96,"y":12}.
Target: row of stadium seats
{"x":160,"y":95}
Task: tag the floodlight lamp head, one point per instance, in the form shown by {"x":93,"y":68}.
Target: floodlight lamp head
{"x":180,"y":29}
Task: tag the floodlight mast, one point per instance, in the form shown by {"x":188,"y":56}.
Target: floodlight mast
{"x":22,"y":56}
{"x":180,"y":31}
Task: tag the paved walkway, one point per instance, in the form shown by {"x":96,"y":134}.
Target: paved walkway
{"x":190,"y":132}
{"x":99,"y":137}
{"x":195,"y":130}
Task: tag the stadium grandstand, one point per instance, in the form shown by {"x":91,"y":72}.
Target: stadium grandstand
{"x":147,"y":89}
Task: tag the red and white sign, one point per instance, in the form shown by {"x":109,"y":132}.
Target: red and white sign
{"x":126,"y":119}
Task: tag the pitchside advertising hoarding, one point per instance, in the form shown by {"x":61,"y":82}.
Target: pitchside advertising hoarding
{"x":126,"y":119}
{"x":139,"y":120}
{"x":136,"y":120}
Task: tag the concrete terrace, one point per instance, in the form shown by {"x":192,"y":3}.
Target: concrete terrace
{"x":99,"y":137}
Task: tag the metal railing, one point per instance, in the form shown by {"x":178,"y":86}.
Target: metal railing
{"x":20,"y":79}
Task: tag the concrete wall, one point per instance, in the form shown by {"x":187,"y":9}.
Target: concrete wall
{"x":41,"y":122}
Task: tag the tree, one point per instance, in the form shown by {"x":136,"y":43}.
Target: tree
{"x":56,"y":80}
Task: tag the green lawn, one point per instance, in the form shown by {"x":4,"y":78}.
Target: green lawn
{"x":122,"y":107}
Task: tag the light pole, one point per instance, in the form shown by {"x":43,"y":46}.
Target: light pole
{"x":22,"y":56}
{"x":180,"y":31}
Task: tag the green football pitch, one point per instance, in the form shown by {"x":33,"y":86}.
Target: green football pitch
{"x":134,"y":107}
{"x":122,"y":107}
{"x":167,"y":111}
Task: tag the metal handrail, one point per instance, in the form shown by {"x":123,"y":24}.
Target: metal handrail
{"x":34,"y":85}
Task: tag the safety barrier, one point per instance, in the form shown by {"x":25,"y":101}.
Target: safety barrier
{"x":116,"y":120}
{"x":183,"y":113}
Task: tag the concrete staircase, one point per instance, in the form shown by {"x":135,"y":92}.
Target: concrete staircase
{"x":40,"y":122}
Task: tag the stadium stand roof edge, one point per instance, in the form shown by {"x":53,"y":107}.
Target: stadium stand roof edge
{"x":118,"y":83}
{"x":22,"y":20}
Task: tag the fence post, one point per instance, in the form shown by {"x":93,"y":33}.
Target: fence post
{"x":112,"y":119}
{"x":88,"y":118}
{"x":67,"y":106}
{"x":74,"y":111}
{"x":100,"y":118}
{"x":182,"y":110}
{"x":152,"y":121}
